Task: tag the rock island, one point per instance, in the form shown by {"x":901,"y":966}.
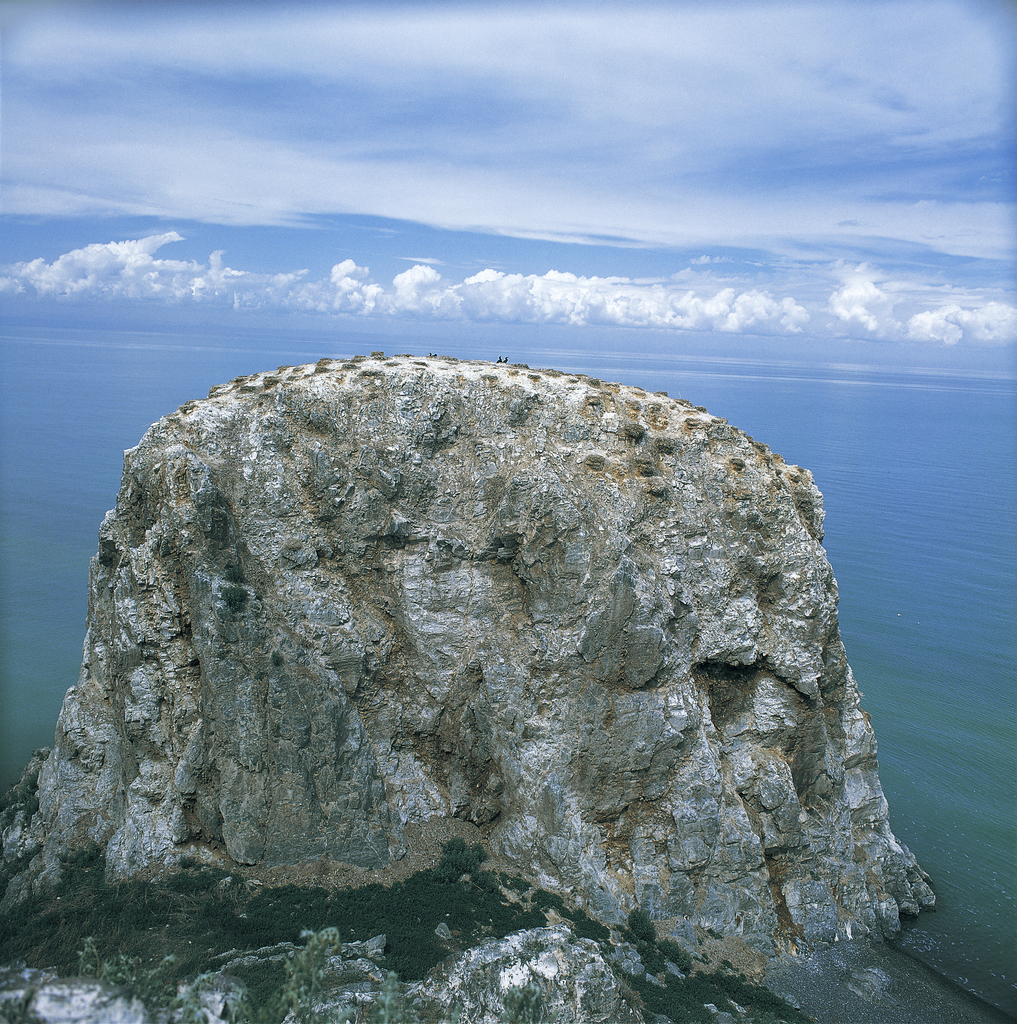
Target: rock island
{"x":339,"y":600}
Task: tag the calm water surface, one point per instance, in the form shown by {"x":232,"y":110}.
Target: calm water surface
{"x":918,"y":473}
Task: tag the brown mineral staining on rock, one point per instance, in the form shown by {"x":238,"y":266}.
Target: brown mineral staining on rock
{"x":340,"y":599}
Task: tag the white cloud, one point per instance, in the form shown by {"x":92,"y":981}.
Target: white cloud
{"x":564,"y":298}
{"x":867,"y":298}
{"x":120,"y":269}
{"x":858,"y":300}
{"x":992,"y":324}
{"x":416,"y":291}
{"x":866,"y":303}
{"x":130,"y":270}
{"x":345,"y":291}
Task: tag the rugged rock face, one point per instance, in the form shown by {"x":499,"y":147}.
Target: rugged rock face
{"x":568,"y":976}
{"x":599,"y":623}
{"x":32,"y":995}
{"x":574,"y":982}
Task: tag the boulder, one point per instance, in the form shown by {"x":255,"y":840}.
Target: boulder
{"x":566,"y":977}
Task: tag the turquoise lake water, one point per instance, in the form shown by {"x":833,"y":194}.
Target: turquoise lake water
{"x":919,"y":474}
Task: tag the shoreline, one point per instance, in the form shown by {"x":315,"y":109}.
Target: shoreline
{"x":868,"y":982}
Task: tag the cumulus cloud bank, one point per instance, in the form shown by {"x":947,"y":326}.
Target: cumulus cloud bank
{"x":131,"y":270}
{"x":867,"y":298}
{"x":563,"y":298}
{"x":992,"y":324}
{"x":863,"y":303}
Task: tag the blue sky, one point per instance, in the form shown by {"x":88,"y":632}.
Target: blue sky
{"x":819,"y":174}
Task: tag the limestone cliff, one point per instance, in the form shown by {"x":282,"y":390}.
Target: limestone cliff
{"x":599,"y":623}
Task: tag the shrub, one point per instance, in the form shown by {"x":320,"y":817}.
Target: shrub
{"x":279,"y":914}
{"x":457,"y":860}
{"x":685,"y":1001}
{"x":641,"y":926}
{"x":524,"y":1004}
{"x":152,"y":983}
{"x":587,"y":928}
{"x":24,"y":796}
{"x":16,"y":1011}
{"x":83,"y":868}
{"x":234,"y":573}
{"x":677,"y":954}
{"x":513,"y":882}
{"x":191,"y":882}
{"x":263,"y":982}
{"x":544,"y":900}
{"x":486,"y":881}
{"x":304,"y":976}
{"x":236,"y":598}
{"x":390,"y":1007}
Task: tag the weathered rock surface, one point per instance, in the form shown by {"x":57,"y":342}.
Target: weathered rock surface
{"x":858,"y":980}
{"x":599,"y":623}
{"x":572,"y":981}
{"x":568,"y":977}
{"x":32,"y":995}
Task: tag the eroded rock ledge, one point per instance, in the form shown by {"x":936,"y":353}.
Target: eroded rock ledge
{"x":599,"y":623}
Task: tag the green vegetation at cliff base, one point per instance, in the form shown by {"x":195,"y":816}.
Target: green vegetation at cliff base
{"x":196,"y":914}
